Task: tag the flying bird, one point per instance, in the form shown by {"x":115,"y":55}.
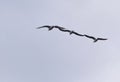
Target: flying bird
{"x":95,"y":39}
{"x":71,"y":32}
{"x":100,"y":39}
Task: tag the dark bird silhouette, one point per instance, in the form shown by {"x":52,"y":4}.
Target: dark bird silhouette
{"x":73,"y":32}
{"x":46,"y":26}
{"x":95,"y":39}
{"x":100,"y":39}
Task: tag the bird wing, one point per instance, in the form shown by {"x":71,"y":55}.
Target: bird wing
{"x":77,"y":33}
{"x":99,"y":39}
{"x":65,"y":30}
{"x":59,"y":27}
{"x":102,"y":38}
{"x":44,"y":26}
{"x":90,"y":37}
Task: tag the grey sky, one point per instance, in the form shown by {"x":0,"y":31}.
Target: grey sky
{"x":31,"y":55}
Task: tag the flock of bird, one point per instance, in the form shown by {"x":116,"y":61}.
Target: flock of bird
{"x":71,"y":32}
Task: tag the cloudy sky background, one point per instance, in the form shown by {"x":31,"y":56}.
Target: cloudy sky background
{"x":31,"y":55}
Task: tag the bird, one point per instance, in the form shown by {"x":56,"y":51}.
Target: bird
{"x":95,"y":39}
{"x":73,"y":32}
{"x":100,"y":39}
{"x":46,"y":26}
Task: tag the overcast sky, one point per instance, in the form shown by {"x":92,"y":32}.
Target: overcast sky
{"x":28,"y":54}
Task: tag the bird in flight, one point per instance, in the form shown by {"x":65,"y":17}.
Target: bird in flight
{"x":71,"y":32}
{"x":94,"y":39}
{"x":100,"y":39}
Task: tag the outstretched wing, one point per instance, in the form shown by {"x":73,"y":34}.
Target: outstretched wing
{"x":102,"y":38}
{"x":65,"y":30}
{"x":91,"y":37}
{"x":59,"y":27}
{"x":73,"y":32}
{"x":46,"y":26}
